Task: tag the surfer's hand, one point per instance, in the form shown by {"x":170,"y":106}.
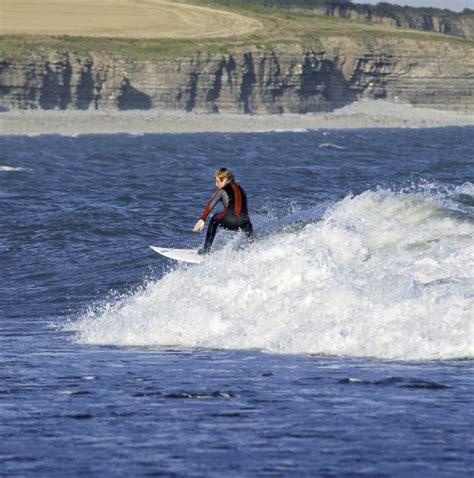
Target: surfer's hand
{"x":199,"y":226}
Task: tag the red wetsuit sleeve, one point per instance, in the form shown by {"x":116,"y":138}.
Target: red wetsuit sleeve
{"x":216,"y":197}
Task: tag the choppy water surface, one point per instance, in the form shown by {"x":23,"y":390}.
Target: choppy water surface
{"x":340,"y":344}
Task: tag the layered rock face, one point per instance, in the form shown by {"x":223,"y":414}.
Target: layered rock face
{"x":437,"y":75}
{"x":247,"y":82}
{"x":425,"y":74}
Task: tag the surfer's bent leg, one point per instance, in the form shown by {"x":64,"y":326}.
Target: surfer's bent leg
{"x":247,"y":228}
{"x":230,"y":222}
{"x":211,"y":234}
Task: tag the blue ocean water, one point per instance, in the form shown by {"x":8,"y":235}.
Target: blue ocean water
{"x":340,"y":344}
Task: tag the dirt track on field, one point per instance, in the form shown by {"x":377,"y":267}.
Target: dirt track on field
{"x":120,"y":19}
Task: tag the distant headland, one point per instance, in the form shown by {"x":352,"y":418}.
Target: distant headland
{"x":239,"y":56}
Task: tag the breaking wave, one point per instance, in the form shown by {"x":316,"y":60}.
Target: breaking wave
{"x":385,"y":274}
{"x":12,"y":168}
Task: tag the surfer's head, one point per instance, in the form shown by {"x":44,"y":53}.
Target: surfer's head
{"x":223,"y":176}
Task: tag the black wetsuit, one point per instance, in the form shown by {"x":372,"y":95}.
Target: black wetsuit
{"x":234,"y":217}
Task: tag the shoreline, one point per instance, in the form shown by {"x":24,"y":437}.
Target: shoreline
{"x":359,"y":115}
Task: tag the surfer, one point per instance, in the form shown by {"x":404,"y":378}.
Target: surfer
{"x":234,"y":217}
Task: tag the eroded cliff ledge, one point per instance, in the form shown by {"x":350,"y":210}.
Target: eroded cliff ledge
{"x":340,"y":71}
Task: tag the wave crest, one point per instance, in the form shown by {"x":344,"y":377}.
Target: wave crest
{"x":383,"y":274}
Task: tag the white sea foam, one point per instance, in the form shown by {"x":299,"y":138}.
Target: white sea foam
{"x":331,"y":146}
{"x":383,"y":274}
{"x":12,"y":168}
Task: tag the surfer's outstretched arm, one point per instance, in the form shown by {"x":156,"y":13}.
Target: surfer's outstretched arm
{"x":219,"y":196}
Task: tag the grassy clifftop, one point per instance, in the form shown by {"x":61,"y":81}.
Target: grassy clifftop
{"x":280,"y":28}
{"x":382,"y":8}
{"x":428,"y":19}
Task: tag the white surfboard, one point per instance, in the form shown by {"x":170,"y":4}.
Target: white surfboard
{"x":182,"y":255}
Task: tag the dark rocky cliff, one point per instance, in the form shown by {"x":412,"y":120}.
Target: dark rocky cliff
{"x":427,"y":74}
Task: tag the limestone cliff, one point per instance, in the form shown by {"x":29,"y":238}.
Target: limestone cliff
{"x":427,"y":74}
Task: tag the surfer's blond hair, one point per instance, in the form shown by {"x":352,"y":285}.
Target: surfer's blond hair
{"x":224,"y":173}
